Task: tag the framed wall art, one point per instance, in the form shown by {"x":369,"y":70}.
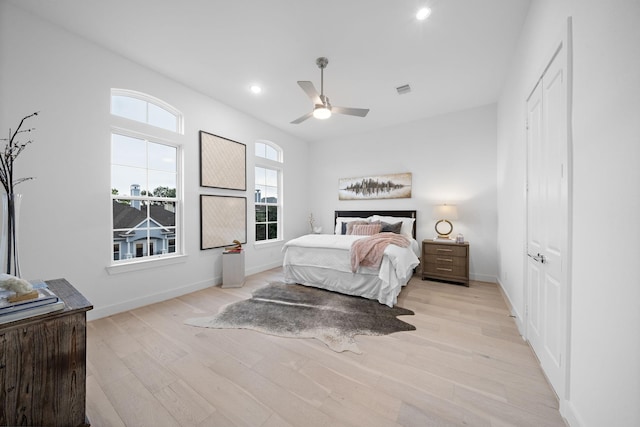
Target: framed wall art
{"x":393,"y":186}
{"x":223,"y":219}
{"x":222,"y":162}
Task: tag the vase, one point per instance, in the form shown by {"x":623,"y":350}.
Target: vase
{"x":9,"y":239}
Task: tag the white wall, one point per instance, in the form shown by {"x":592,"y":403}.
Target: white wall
{"x":65,"y":216}
{"x":452,"y":158}
{"x":536,"y":46}
{"x":604,"y":368}
{"x":605,"y":363}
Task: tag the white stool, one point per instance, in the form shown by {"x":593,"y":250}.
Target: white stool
{"x":232,"y":269}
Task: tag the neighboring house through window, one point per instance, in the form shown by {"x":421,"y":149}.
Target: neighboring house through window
{"x":268,"y":191}
{"x":145,"y":177}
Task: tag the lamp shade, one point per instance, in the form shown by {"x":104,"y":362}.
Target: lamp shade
{"x":448,"y":212}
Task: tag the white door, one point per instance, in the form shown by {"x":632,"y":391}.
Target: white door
{"x":547,"y":221}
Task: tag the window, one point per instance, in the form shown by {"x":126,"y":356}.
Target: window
{"x":266,"y":202}
{"x":145,"y":109}
{"x":268,"y":152}
{"x":145,"y":187}
{"x":268,"y":190}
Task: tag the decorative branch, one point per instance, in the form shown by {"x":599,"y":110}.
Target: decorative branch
{"x":311,"y":221}
{"x":12,"y":150}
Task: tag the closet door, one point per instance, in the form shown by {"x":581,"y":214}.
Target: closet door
{"x":547,"y":221}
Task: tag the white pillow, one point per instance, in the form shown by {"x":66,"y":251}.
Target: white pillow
{"x":407,"y":223}
{"x":341,"y":220}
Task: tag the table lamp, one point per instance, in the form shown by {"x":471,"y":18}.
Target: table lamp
{"x":445,"y":213}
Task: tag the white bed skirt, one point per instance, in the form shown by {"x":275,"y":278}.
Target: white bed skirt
{"x":367,"y":285}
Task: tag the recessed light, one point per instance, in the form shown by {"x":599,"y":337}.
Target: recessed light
{"x":256,"y":89}
{"x":423,"y":13}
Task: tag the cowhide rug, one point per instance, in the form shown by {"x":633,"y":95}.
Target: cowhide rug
{"x":297,"y":311}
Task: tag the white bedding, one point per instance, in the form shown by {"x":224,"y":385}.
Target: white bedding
{"x":324,"y":261}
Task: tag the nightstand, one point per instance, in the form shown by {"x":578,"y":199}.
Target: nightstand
{"x":445,"y":261}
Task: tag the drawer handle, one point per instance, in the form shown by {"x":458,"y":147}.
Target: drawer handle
{"x":444,"y":269}
{"x":444,"y":250}
{"x":444,"y":259}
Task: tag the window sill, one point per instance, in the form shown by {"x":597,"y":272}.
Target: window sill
{"x":145,"y":264}
{"x":268,"y":244}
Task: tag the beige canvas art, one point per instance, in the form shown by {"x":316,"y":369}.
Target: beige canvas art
{"x":223,"y":219}
{"x":222,"y":162}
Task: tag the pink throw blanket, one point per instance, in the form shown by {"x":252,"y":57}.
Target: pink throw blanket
{"x":368,"y":251}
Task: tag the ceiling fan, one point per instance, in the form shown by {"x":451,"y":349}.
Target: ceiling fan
{"x":322,"y":109}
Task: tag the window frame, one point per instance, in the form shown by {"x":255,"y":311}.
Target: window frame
{"x":146,"y":199}
{"x":159,"y":135}
{"x":278,"y":166}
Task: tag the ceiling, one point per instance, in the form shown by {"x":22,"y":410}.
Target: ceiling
{"x":454,"y":60}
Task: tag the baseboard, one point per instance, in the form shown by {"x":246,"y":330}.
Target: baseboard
{"x":264,"y":267}
{"x":514,"y":312}
{"x":98,"y":313}
{"x":483,"y":277}
{"x":569,"y":414}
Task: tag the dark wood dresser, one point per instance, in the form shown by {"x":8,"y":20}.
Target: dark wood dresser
{"x":445,"y":261}
{"x":43,"y":365}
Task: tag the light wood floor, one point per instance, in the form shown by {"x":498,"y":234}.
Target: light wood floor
{"x":464,"y":365}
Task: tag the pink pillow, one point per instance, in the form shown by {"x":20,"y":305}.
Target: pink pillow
{"x":352,"y":224}
{"x":365,"y":230}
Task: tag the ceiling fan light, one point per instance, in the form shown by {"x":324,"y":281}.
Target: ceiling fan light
{"x":321,"y":113}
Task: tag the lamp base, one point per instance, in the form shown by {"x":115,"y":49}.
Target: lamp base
{"x":444,"y":228}
{"x":444,"y":237}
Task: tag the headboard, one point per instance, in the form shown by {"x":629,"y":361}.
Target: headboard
{"x":366,"y":214}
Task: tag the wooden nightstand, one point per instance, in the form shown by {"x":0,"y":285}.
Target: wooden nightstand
{"x":445,"y":261}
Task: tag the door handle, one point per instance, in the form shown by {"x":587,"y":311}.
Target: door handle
{"x":538,"y":257}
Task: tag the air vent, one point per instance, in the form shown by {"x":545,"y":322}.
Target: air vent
{"x":403,"y":89}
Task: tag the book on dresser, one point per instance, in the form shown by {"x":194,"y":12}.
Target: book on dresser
{"x":31,"y":311}
{"x":46,"y":302}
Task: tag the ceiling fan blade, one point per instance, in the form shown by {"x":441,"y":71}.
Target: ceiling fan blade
{"x":310,"y":90}
{"x":302,"y":118}
{"x":360,"y":112}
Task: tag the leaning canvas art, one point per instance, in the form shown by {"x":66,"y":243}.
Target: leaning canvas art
{"x":393,"y":186}
{"x":223,"y":220}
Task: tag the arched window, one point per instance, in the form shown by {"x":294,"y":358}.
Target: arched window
{"x":268,"y":150}
{"x":268,"y":191}
{"x":144,"y":108}
{"x":145,"y":178}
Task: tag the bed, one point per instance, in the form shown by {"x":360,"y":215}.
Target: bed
{"x":324,"y":260}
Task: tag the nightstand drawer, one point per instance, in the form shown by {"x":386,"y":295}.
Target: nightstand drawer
{"x":443,"y":249}
{"x":446,"y":261}
{"x":446,"y":270}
